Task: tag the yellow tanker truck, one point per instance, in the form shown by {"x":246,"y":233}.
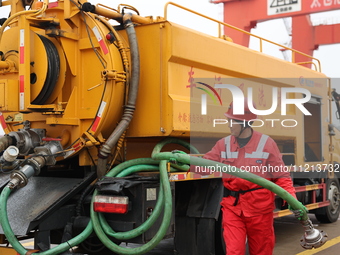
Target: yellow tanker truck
{"x":90,"y":96}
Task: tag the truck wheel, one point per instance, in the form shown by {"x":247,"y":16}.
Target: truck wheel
{"x":331,"y":213}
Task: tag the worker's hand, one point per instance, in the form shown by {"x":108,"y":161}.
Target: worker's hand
{"x":299,"y":212}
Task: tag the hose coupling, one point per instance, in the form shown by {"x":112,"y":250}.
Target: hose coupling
{"x":9,"y":156}
{"x":20,"y":177}
{"x":313,"y":238}
{"x":18,"y":180}
{"x":127,"y":20}
{"x":27,"y":139}
{"x":104,"y":151}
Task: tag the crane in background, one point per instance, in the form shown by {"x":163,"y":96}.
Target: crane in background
{"x":305,"y":37}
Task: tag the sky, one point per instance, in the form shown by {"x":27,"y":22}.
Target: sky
{"x":273,"y":30}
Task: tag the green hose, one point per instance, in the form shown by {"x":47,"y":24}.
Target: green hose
{"x":102,"y":229}
{"x":5,"y":223}
{"x":149,"y":222}
{"x":196,"y":161}
{"x":185,"y":144}
{"x":98,"y":228}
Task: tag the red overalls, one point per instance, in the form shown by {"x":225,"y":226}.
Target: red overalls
{"x":252,"y":216}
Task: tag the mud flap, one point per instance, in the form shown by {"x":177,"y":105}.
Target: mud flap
{"x":42,"y":196}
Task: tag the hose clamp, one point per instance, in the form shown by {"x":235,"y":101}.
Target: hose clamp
{"x":19,"y":180}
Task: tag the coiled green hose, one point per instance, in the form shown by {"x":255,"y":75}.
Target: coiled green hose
{"x":101,"y":226}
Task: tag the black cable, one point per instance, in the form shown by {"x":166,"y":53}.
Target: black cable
{"x":79,"y":204}
{"x":92,"y":45}
{"x":53,"y":69}
{"x":78,"y":6}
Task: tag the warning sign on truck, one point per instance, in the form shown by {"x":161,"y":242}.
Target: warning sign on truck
{"x":275,"y":7}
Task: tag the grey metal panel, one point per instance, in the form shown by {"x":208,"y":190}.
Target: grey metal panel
{"x":205,"y":198}
{"x":29,"y":205}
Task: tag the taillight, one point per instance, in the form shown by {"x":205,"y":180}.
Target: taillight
{"x":109,"y":204}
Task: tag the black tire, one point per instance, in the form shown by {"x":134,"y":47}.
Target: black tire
{"x":330,"y":213}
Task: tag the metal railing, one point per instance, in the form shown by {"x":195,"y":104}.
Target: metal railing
{"x":261,"y":39}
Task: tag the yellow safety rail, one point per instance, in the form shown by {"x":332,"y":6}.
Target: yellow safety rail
{"x":220,"y":23}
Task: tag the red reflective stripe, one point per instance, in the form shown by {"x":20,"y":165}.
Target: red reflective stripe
{"x":22,"y":54}
{"x":51,"y":139}
{"x":22,"y":84}
{"x":181,"y":176}
{"x":103,"y":46}
{"x":99,"y":116}
{"x":95,"y":124}
{"x":77,"y":146}
{"x":2,"y":121}
{"x":100,"y":40}
{"x":51,"y":5}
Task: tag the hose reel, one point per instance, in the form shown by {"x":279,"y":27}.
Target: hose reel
{"x":53,"y":70}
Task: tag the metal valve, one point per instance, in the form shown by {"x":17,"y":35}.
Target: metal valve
{"x":313,"y":238}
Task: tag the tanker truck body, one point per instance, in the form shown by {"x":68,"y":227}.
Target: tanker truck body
{"x":86,"y":89}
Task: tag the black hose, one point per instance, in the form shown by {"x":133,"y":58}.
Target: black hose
{"x":131,"y":102}
{"x":81,"y":199}
{"x":53,"y":70}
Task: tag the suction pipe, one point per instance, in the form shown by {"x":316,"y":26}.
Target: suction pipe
{"x":131,"y":102}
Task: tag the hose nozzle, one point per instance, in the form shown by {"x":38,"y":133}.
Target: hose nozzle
{"x":313,"y":238}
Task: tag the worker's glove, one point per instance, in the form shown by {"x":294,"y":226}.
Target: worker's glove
{"x":299,"y":212}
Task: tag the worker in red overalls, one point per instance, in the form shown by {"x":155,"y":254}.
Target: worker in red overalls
{"x":247,"y":207}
